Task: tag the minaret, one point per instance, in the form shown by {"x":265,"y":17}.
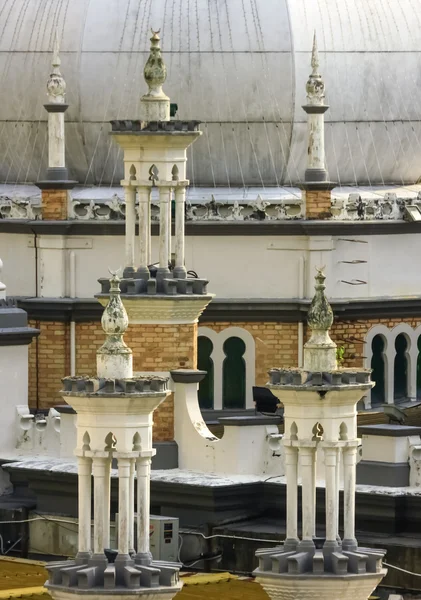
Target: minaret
{"x":114,"y":422}
{"x":316,"y":186}
{"x":56,"y":183}
{"x":162,"y":299}
{"x":320,"y":416}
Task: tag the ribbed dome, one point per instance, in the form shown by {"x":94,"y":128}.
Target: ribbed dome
{"x":240,"y":66}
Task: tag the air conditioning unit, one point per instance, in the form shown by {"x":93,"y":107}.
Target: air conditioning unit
{"x":163,"y":538}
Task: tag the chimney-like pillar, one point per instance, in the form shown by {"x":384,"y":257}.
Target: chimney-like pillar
{"x":56,"y":185}
{"x":316,"y":187}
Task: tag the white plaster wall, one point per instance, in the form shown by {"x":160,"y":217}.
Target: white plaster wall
{"x":13,"y":390}
{"x":260,"y":267}
{"x":385,"y":449}
{"x":18,"y":255}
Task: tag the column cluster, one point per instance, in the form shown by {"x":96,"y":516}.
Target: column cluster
{"x":139,"y":192}
{"x":114,"y":423}
{"x":300,"y":463}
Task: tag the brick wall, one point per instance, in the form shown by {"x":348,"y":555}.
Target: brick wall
{"x":49,"y":362}
{"x":155,"y":348}
{"x":318,"y":204}
{"x":54,"y":205}
{"x":351,"y":335}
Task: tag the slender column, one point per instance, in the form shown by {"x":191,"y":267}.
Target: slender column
{"x":131,"y":507}
{"x":130,"y":197}
{"x":180,"y":203}
{"x":316,"y":146}
{"x":306,"y":456}
{"x":123,"y":507}
{"x":291,"y":470}
{"x":107,"y":501}
{"x":100,"y":502}
{"x":164,"y":233}
{"x":314,"y":486}
{"x":169,"y":227}
{"x":330,"y":454}
{"x":143,"y":466}
{"x":350,"y":461}
{"x":150,"y":230}
{"x":56,"y":154}
{"x":84,"y":467}
{"x":144,"y":194}
{"x":338,"y":484}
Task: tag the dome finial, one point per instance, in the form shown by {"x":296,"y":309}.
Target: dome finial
{"x":114,"y":358}
{"x":315,"y":57}
{"x":320,"y":351}
{"x":155,"y":71}
{"x":114,"y":319}
{"x":315,"y":86}
{"x":56,"y":86}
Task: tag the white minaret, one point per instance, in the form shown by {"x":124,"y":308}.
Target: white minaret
{"x":155,"y":156}
{"x":315,"y":109}
{"x":114,"y":421}
{"x":320,"y":416}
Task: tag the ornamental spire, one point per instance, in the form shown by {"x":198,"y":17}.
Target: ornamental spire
{"x":155,"y":71}
{"x":320,"y":350}
{"x":315,"y":86}
{"x":114,"y":358}
{"x":155,"y":105}
{"x":56,"y":86}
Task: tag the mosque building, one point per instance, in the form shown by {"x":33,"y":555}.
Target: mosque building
{"x":212,"y":157}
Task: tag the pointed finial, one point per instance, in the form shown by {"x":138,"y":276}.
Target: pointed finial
{"x":315,"y":57}
{"x":2,"y":285}
{"x":155,"y":71}
{"x":315,"y":86}
{"x":114,"y":319}
{"x":320,"y":315}
{"x":114,"y":358}
{"x":56,"y":51}
{"x":56,"y":86}
{"x":320,"y":350}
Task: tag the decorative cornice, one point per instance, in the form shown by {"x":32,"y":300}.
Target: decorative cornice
{"x":239,"y":310}
{"x":216,"y":229}
{"x":17,"y":336}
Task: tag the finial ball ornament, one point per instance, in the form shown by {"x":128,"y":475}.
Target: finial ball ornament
{"x":320,"y":315}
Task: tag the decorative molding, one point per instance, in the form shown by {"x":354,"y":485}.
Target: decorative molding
{"x":162,"y":309}
{"x":83,"y":310}
{"x":354,"y":207}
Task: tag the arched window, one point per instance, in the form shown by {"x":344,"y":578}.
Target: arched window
{"x":400,"y":388}
{"x":205,"y":363}
{"x":218,"y":355}
{"x":379,"y":371}
{"x":234,"y":374}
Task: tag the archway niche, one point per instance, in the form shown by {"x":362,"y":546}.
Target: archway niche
{"x":205,"y":363}
{"x":234,"y":374}
{"x":400,"y":374}
{"x":378,"y":375}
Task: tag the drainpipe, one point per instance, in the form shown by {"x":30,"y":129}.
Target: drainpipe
{"x":72,"y":272}
{"x":301,"y":276}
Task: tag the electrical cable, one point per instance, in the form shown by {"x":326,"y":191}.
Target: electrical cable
{"x":182,"y":532}
{"x":230,"y":537}
{"x":400,"y":569}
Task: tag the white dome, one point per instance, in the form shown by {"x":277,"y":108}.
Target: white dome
{"x":240,"y":66}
